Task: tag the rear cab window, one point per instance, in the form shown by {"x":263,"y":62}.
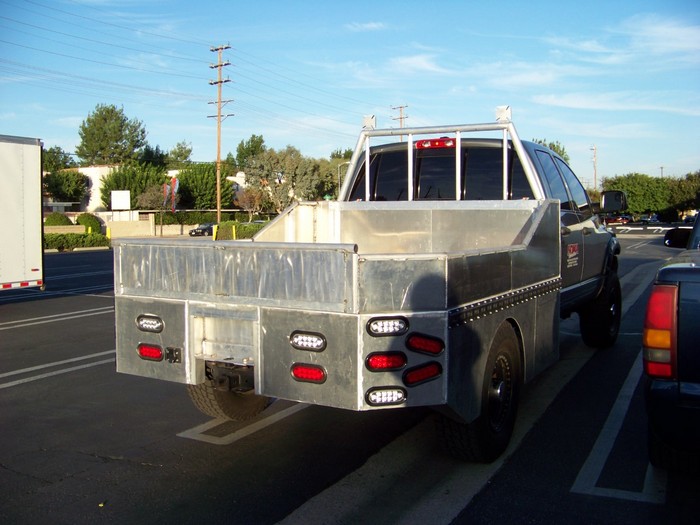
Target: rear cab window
{"x":481,"y":176}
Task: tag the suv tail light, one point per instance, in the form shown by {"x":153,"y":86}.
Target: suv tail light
{"x":660,"y":330}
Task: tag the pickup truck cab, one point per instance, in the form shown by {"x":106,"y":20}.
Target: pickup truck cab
{"x":671,"y":344}
{"x":589,"y":250}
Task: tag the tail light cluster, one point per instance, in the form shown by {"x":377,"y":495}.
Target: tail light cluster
{"x":395,"y":361}
{"x":660,"y":332}
{"x":378,"y":362}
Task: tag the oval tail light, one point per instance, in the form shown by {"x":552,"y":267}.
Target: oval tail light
{"x":386,"y":361}
{"x":422,"y":374}
{"x":150,"y":352}
{"x":308,"y":373}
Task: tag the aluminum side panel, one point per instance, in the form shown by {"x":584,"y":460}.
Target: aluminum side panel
{"x":340,"y":359}
{"x":293,"y":275}
{"x":128,"y":338}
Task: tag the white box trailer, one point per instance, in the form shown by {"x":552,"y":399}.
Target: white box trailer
{"x":21,"y":235}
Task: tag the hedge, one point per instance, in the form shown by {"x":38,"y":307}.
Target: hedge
{"x":57,"y":219}
{"x":90,"y":221}
{"x":69,"y":241}
{"x":243,"y":230}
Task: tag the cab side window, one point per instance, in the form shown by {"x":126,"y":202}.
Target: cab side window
{"x":557,"y":189}
{"x":578,"y":194}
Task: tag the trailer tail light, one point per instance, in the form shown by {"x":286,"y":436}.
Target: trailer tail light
{"x":386,"y":361}
{"x":443,"y":142}
{"x":150,"y":323}
{"x":421,"y":374}
{"x":308,"y":373}
{"x":308,"y":341}
{"x":380,"y":326}
{"x":425,"y":344}
{"x":150,"y":352}
{"x":385,"y":395}
{"x":659,"y":335}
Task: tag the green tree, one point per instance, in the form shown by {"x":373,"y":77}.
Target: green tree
{"x":251,"y":200}
{"x":107,"y":136}
{"x":153,"y":156}
{"x":55,"y":159}
{"x":136,"y":178}
{"x":66,"y":185}
{"x":555,"y":147}
{"x":155,"y":198}
{"x":684,"y":193}
{"x":255,"y":145}
{"x":198,"y":187}
{"x":276,"y":173}
{"x":345,"y":154}
{"x":179,"y":156}
{"x":644,"y":193}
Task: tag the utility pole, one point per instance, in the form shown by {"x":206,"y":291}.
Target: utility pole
{"x":594,"y":148}
{"x":219,"y":82}
{"x":401,"y":118}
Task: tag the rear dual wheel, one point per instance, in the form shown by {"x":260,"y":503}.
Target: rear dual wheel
{"x":226,"y":404}
{"x":487,"y":437}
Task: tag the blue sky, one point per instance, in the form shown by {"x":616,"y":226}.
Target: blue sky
{"x":621,"y":76}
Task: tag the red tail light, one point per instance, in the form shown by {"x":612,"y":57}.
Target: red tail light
{"x":443,"y":142}
{"x":421,"y":374}
{"x":150,"y":352}
{"x":308,"y":373}
{"x":382,"y":362}
{"x":659,"y":336}
{"x":425,"y":344}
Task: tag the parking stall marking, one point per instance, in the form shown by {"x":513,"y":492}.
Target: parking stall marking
{"x":55,"y":372}
{"x":21,"y":323}
{"x":654,"y":490}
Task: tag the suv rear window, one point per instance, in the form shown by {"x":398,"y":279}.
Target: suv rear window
{"x":481,"y":177}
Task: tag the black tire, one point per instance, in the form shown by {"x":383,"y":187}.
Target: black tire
{"x":487,"y":437}
{"x":223,"y":404}
{"x":600,"y":321}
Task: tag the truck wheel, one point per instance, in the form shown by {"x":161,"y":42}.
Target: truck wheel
{"x":488,"y":436}
{"x":222,"y":404}
{"x":600,"y":321}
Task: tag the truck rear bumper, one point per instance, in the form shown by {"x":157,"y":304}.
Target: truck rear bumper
{"x":673,"y":411}
{"x":278,"y":345}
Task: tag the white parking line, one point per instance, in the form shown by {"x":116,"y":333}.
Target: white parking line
{"x":198,"y":433}
{"x":654,"y":490}
{"x":21,"y":323}
{"x":55,"y":363}
{"x":55,"y":372}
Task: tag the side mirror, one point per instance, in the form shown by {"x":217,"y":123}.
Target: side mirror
{"x":677,"y":237}
{"x":612,"y":201}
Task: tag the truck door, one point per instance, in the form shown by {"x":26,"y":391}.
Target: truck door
{"x":572,"y":245}
{"x":594,"y":239}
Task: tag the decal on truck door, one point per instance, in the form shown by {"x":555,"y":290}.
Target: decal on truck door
{"x":572,"y":255}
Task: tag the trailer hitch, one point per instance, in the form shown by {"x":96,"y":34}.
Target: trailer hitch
{"x":230,"y":378}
